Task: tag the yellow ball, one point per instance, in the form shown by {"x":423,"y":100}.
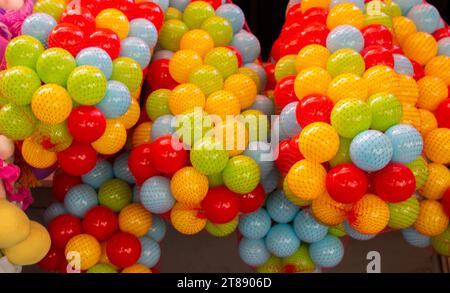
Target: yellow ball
{"x":437,"y":183}
{"x":318,"y":142}
{"x":285,"y":67}
{"x":427,"y":122}
{"x":233,"y":135}
{"x":31,"y":250}
{"x":411,"y":116}
{"x":137,"y":269}
{"x":112,"y":140}
{"x":312,"y":55}
{"x":36,"y":156}
{"x":439,"y":66}
{"x":51,"y":104}
{"x":86,"y":247}
{"x":432,"y":220}
{"x":187,"y":219}
{"x":197,"y":40}
{"x":223,"y":103}
{"x":312,"y":80}
{"x":185,"y":97}
{"x":345,"y":13}
{"x":437,"y":146}
{"x":381,"y":78}
{"x":114,"y":20}
{"x":403,"y":27}
{"x":257,"y":123}
{"x":182,"y":63}
{"x":253,"y":75}
{"x":141,"y":134}
{"x":189,"y":186}
{"x":104,"y":256}
{"x":420,"y":47}
{"x":348,"y":85}
{"x":370,"y":215}
{"x":135,"y":219}
{"x":14,"y":226}
{"x":407,"y":90}
{"x":307,"y":4}
{"x":291,"y":196}
{"x":243,"y":87}
{"x":328,"y":211}
{"x":306,"y":179}
{"x":432,"y":91}
{"x":131,"y":117}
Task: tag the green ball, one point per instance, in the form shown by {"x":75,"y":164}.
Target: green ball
{"x":55,"y":66}
{"x":171,"y":33}
{"x":222,"y":230}
{"x":386,"y":109}
{"x":207,"y":78}
{"x":54,"y":8}
{"x":87,"y":85}
{"x":241,"y":174}
{"x":102,"y":268}
{"x":157,"y":104}
{"x":115,"y":194}
{"x":196,"y":13}
{"x":299,"y":262}
{"x":23,"y":50}
{"x":128,"y":72}
{"x":378,"y":18}
{"x":392,"y":9}
{"x":350,"y":117}
{"x":224,"y":60}
{"x":343,"y":154}
{"x":272,"y":266}
{"x":285,"y":67}
{"x":419,"y":167}
{"x":220,"y":30}
{"x":215,"y":180}
{"x":16,"y":122}
{"x":53,"y":137}
{"x":403,"y":214}
{"x":172,"y":13}
{"x":19,"y":84}
{"x":346,"y":61}
{"x":441,"y":243}
{"x":338,"y":230}
{"x":193,"y":126}
{"x":208,"y":156}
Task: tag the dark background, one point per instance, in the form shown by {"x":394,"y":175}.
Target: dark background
{"x":266,"y":17}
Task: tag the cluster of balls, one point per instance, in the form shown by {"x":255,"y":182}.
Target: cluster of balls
{"x":98,"y":221}
{"x":195,"y":159}
{"x":364,"y":117}
{"x":73,"y":80}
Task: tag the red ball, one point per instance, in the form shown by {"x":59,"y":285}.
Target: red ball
{"x":67,"y":36}
{"x":394,"y":183}
{"x":314,"y":108}
{"x":442,"y":33}
{"x":63,"y":228}
{"x":95,"y":6}
{"x":168,"y":155}
{"x":81,"y":17}
{"x":288,"y":155}
{"x":100,"y":222}
{"x":293,"y":28}
{"x":221,"y":205}
{"x":442,"y":114}
{"x":419,"y":72}
{"x":397,"y":50}
{"x":128,"y":7}
{"x":253,"y":200}
{"x":123,"y":249}
{"x":139,"y":163}
{"x":237,"y":53}
{"x":446,"y":202}
{"x":290,"y":45}
{"x":151,"y":11}
{"x":158,"y":76}
{"x":284,"y":91}
{"x":52,"y":260}
{"x":78,"y":159}
{"x":275,"y":51}
{"x":377,"y":34}
{"x":377,"y":55}
{"x":294,"y":13}
{"x":269,"y":68}
{"x":214,"y":3}
{"x":315,"y":14}
{"x":62,"y":183}
{"x":107,"y":40}
{"x":315,"y":33}
{"x":346,"y":183}
{"x":86,"y":124}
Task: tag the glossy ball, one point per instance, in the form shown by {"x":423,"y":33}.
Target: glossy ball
{"x":80,"y":199}
{"x":114,"y":194}
{"x":156,"y":196}
{"x":280,"y":209}
{"x":371,"y":150}
{"x":394,"y":183}
{"x":282,"y":240}
{"x":255,"y":225}
{"x":406,"y":141}
{"x":346,"y":183}
{"x":167,"y":155}
{"x":107,"y":40}
{"x":63,"y":228}
{"x":123,"y":249}
{"x":39,"y":25}
{"x":318,"y":142}
{"x":221,"y":205}
{"x":67,"y":36}
{"x":307,"y":228}
{"x":253,"y":252}
{"x":100,"y":222}
{"x":86,"y":124}
{"x":88,"y":249}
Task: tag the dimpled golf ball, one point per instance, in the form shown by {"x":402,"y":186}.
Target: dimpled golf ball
{"x":158,"y":229}
{"x":352,"y":233}
{"x":121,"y":169}
{"x":80,"y":199}
{"x":16,"y":122}
{"x":437,"y":146}
{"x":145,"y":30}
{"x":96,"y":57}
{"x":253,"y":252}
{"x":55,"y":65}
{"x":115,"y":194}
{"x":288,"y":122}
{"x":127,"y":71}
{"x":87,"y":85}
{"x":281,"y":240}
{"x":350,"y":117}
{"x":386,"y":109}
{"x":38,"y":25}
{"x":327,"y":252}
{"x":345,"y":36}
{"x":403,"y":214}
{"x":86,"y":247}
{"x":209,"y":157}
{"x":23,"y":50}
{"x":345,"y":61}
{"x":241,"y":174}
{"x":18,"y":85}
{"x":255,"y":225}
{"x":135,"y":219}
{"x":248,"y":45}
{"x":318,"y":142}
{"x":406,"y":142}
{"x":307,"y":228}
{"x":162,"y":127}
{"x":51,"y":104}
{"x":415,"y":238}
{"x":280,"y":209}
{"x":156,"y":195}
{"x":101,"y":173}
{"x":306,"y":179}
{"x":189,"y":186}
{"x":371,"y":150}
{"x":312,"y":80}
{"x":116,"y":101}
{"x":151,"y":252}
{"x":137,"y":49}
{"x":432,"y":219}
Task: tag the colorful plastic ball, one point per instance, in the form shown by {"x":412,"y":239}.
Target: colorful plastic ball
{"x":52,"y":261}
{"x":415,"y":238}
{"x":345,"y":36}
{"x":101,"y":173}
{"x":253,"y":252}
{"x":289,"y":125}
{"x":381,"y":78}
{"x":23,"y":78}
{"x":87,"y":85}
{"x":444,"y":47}
{"x":394,"y":183}
{"x":437,"y":145}
{"x":171,"y":33}
{"x":23,"y":51}
{"x":15,"y":121}
{"x":402,"y":65}
{"x":420,"y":47}
{"x":318,"y":142}
{"x":145,"y":30}
{"x":280,"y":209}
{"x":442,"y":114}
{"x":432,"y":219}
{"x":345,"y":61}
{"x":123,"y":249}
{"x":189,"y":186}
{"x":243,"y":87}
{"x":271,"y":181}
{"x":312,"y":55}
{"x":196,"y":13}
{"x":437,"y":183}
{"x":100,"y":222}
{"x":352,"y":233}
{"x":233,"y":14}
{"x":187,"y":219}
{"x":407,"y":90}
{"x":248,"y":45}
{"x":151,"y":252}
{"x":51,"y":104}
{"x":222,"y":230}
{"x":127,"y":71}
{"x":54,"y":210}
{"x":220,"y":205}
{"x":78,"y":159}
{"x":114,"y":194}
{"x":306,"y":179}
{"x":55,"y":66}
{"x":403,"y":214}
{"x":253,"y":200}
{"x":281,"y":240}
{"x":260,"y":152}
{"x":157,"y":104}
{"x":207,"y":78}
{"x":67,"y":36}
{"x":432,"y":92}
{"x":80,"y":199}
{"x":107,"y":40}
{"x":428,"y":122}
{"x":102,"y":268}
{"x":39,"y":25}
{"x":114,"y":20}
{"x":406,"y":141}
{"x":136,"y":48}
{"x":343,"y":154}
{"x":36,"y":156}
{"x":121,"y":169}
{"x":96,"y":57}
{"x":328,"y":211}
{"x":86,"y":124}
{"x":313,"y":80}
{"x":371,"y":150}
{"x":264,"y":104}
{"x":345,"y":14}
{"x":116,"y":101}
{"x":346,"y":183}
{"x":156,"y":195}
{"x":350,"y":117}
{"x":314,"y":108}
{"x":139,"y":163}
{"x":307,"y":228}
{"x":377,"y":55}
{"x":223,"y":59}
{"x":158,"y":229}
{"x":440,"y":243}
{"x":62,"y":228}
{"x":112,"y":140}
{"x":62,"y":183}
{"x":426,"y":17}
{"x":255,"y":225}
{"x":241,"y":174}
{"x":52,"y":7}
{"x":386,"y":111}
{"x":220,"y":29}
{"x":370,"y":215}
{"x":222,"y":103}
{"x":135,"y":219}
{"x":186,"y":97}
{"x":208,"y":156}
{"x":327,"y":252}
{"x":419,"y":167}
{"x":167,"y":155}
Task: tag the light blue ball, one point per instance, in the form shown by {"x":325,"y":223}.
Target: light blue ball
{"x":137,"y":49}
{"x":248,"y":45}
{"x":158,"y":229}
{"x":281,"y":240}
{"x":441,"y":24}
{"x":288,"y":120}
{"x":255,"y":225}
{"x":261,"y":74}
{"x":261,"y":152}
{"x":280,"y":209}
{"x":307,"y":228}
{"x":156,"y":195}
{"x":162,"y":54}
{"x":345,"y":36}
{"x":270,"y":182}
{"x":233,"y":14}
{"x":80,"y":199}
{"x":264,"y":104}
{"x":116,"y":101}
{"x":371,"y":150}
{"x":145,"y":30}
{"x":179,"y":4}
{"x":426,"y":18}
{"x":327,"y":252}
{"x":276,"y":125}
{"x":102,"y":172}
{"x":163,"y":3}
{"x":39,"y":25}
{"x":136,"y":194}
{"x":402,"y":65}
{"x":54,"y":210}
{"x":444,"y":47}
{"x":415,"y":239}
{"x":406,"y":141}
{"x":253,"y":252}
{"x":358,"y":3}
{"x":121,"y":169}
{"x":162,"y":126}
{"x":352,"y":233}
{"x":406,"y":5}
{"x":97,"y":57}
{"x":150,"y":252}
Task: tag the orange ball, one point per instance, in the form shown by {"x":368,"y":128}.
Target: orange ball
{"x":370,"y":215}
{"x":432,"y":219}
{"x":135,"y":219}
{"x":306,"y":179}
{"x":328,"y":211}
{"x":187,"y":219}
